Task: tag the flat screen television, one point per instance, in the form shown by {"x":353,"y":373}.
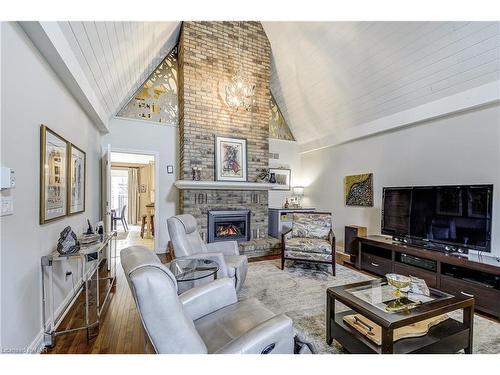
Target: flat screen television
{"x":458,"y":215}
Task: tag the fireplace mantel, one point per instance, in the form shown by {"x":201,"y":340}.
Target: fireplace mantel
{"x":222,"y":185}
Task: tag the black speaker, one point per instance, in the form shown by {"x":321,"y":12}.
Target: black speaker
{"x":352,"y":232}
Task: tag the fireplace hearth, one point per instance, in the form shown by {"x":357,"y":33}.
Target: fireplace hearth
{"x":228,"y":225}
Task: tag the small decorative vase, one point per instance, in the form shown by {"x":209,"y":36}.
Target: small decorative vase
{"x":198,"y":174}
{"x":272,"y":178}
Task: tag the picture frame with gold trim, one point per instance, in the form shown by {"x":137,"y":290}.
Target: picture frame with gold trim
{"x":53,"y":175}
{"x":77,"y":173}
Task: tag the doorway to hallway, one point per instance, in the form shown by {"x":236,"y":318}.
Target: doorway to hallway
{"x":133,"y":198}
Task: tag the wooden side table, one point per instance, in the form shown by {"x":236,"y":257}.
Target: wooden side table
{"x":368,"y":299}
{"x":147,"y":226}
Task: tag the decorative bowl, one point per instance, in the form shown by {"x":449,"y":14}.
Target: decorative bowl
{"x":398,"y":281}
{"x":89,"y":239}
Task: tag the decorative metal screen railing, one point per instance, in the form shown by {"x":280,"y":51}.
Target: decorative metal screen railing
{"x":157,"y":100}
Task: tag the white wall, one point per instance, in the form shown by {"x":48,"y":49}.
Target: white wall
{"x":289,"y":157}
{"x":462,"y":149}
{"x":31,"y":94}
{"x":146,"y":136}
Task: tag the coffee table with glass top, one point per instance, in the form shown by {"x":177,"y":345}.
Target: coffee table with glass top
{"x":193,"y":269}
{"x":370,"y":298}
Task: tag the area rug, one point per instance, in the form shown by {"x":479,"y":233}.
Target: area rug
{"x":300,"y":292}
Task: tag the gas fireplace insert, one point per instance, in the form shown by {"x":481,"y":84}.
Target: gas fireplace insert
{"x":228,"y":225}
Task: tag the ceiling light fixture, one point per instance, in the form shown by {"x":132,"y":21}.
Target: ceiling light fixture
{"x":239,"y":91}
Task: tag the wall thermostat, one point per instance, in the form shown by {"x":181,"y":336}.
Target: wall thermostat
{"x":7,"y":178}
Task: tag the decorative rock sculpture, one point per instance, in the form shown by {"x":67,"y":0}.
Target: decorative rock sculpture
{"x":68,"y":243}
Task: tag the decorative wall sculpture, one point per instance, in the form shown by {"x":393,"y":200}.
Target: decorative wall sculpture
{"x":358,"y":190}
{"x":278,"y":127}
{"x":157,"y":99}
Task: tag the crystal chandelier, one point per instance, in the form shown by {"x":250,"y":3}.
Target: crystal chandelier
{"x":239,"y":91}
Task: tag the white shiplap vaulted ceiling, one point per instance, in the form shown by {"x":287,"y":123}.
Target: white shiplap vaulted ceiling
{"x":328,"y":78}
{"x":117,"y":57}
{"x":331,"y":76}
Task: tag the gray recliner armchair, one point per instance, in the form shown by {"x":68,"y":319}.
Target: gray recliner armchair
{"x":187,"y":242}
{"x":205,"y":319}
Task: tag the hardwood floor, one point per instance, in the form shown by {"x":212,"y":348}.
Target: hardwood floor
{"x":134,"y":238}
{"x":120,"y":330}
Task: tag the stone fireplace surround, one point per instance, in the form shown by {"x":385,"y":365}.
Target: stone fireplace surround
{"x":208,"y":57}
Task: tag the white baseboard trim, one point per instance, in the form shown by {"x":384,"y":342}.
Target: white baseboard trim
{"x":471,"y":99}
{"x":36,"y":347}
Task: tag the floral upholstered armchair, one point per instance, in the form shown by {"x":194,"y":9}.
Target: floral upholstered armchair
{"x":310,"y":239}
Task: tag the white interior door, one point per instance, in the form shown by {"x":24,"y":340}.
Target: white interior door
{"x":106,"y":188}
{"x":106,"y":197}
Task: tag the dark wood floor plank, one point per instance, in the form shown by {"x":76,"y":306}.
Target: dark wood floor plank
{"x":120,"y":329}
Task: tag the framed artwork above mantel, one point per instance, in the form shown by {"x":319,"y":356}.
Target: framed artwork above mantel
{"x":230,"y":159}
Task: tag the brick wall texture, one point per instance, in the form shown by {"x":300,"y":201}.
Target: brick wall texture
{"x":208,"y":58}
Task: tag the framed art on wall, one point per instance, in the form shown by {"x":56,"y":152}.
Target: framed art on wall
{"x":358,"y":190}
{"x":282,"y":177}
{"x":77,"y":175}
{"x":230,"y":159}
{"x":53,"y":175}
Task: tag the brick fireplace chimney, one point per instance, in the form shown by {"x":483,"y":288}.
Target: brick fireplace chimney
{"x":208,"y":58}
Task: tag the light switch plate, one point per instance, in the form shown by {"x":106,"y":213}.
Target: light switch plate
{"x":7,"y":178}
{"x":6,"y":206}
